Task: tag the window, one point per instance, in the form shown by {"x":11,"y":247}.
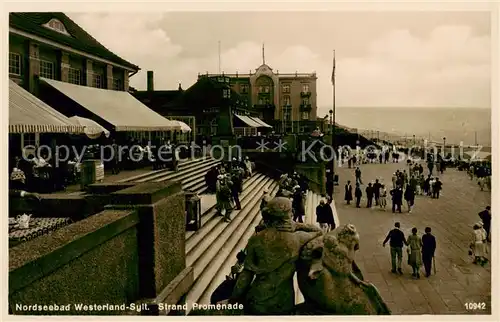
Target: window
{"x":261,"y":101}
{"x":305,"y":88}
{"x":46,"y":69}
{"x":29,"y":142}
{"x":14,"y":64}
{"x":244,"y":88}
{"x":117,"y":84}
{"x":226,"y":93}
{"x":74,"y":76}
{"x":261,"y":89}
{"x":305,"y":115}
{"x":286,"y":100}
{"x":57,"y":25}
{"x":97,"y":81}
{"x":305,"y":101}
{"x":266,"y":89}
{"x":286,"y":115}
{"x":286,"y":88}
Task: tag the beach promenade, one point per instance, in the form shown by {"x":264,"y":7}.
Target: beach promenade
{"x":457,"y":282}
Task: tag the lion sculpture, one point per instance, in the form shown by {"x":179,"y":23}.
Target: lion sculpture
{"x":330,"y":281}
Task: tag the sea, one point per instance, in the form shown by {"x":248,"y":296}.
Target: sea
{"x":467,"y":125}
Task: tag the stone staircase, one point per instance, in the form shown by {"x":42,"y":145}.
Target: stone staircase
{"x":212,"y":250}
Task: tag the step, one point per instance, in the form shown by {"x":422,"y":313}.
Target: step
{"x":230,"y":259}
{"x":210,"y":221}
{"x":217,"y":254}
{"x":182,"y":165}
{"x":180,"y":175}
{"x":202,"y":254}
{"x":209,"y":212}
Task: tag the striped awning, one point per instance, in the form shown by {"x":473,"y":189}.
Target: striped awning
{"x":247,"y":120}
{"x":260,"y":122}
{"x":118,"y":108}
{"x":28,"y":114}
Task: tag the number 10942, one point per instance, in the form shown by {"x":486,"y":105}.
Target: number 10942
{"x":475,"y":306}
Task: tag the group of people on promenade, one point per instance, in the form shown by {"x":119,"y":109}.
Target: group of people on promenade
{"x":405,"y":186}
{"x":420,"y":250}
{"x":294,"y":186}
{"x":228,"y":185}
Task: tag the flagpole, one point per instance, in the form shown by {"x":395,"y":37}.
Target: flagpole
{"x":219,"y":55}
{"x":334,"y":124}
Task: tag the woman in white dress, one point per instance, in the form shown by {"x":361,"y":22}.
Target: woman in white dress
{"x":383,"y":197}
{"x":478,"y":245}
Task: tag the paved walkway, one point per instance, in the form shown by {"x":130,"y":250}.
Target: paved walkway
{"x":451,"y":217}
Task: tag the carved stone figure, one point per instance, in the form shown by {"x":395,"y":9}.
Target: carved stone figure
{"x":265,"y":286}
{"x":328,"y":279}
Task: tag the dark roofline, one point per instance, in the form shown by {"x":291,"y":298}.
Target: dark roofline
{"x":30,"y":23}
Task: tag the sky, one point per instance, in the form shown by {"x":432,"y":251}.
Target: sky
{"x":383,"y":59}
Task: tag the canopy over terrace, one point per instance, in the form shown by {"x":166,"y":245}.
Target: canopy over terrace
{"x":118,"y":108}
{"x":28,"y":114}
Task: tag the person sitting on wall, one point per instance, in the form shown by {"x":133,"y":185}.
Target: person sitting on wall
{"x":17,"y":186}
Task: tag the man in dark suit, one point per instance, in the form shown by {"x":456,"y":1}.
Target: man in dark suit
{"x":485,"y":216}
{"x":397,"y":198}
{"x":376,"y":191}
{"x":428,"y":250}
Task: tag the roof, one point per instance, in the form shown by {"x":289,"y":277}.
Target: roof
{"x":118,"y":108}
{"x":206,"y":92}
{"x":156,"y":99}
{"x":28,"y":114}
{"x":32,"y":22}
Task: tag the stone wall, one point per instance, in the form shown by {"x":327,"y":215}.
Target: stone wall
{"x":94,"y":261}
{"x":132,"y":252}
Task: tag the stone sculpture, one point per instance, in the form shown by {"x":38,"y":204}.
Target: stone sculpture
{"x":327,"y":280}
{"x":265,"y":286}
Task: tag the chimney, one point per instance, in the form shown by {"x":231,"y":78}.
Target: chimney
{"x":151,"y":86}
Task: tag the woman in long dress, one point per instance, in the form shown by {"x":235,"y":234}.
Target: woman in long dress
{"x":383,"y":197}
{"x":478,"y":245}
{"x":348,"y":192}
{"x":415,"y":253}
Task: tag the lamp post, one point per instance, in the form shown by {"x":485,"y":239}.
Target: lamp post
{"x":332,"y":142}
{"x":444,"y":146}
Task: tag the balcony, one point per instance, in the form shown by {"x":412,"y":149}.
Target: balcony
{"x":305,"y":107}
{"x":264,"y":106}
{"x":305,"y":94}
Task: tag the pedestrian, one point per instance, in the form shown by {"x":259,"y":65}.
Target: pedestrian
{"x":436,"y":188}
{"x":410,"y":197}
{"x":237,"y":186}
{"x":415,"y":252}
{"x":329,"y":183}
{"x":223,"y":197}
{"x":348,"y":192}
{"x":298,"y":204}
{"x":427,"y":186}
{"x":324,"y":216}
{"x":485,"y":216}
{"x":376,"y":192}
{"x":396,"y":240}
{"x":357,"y":173}
{"x":428,"y":250}
{"x":265,"y":199}
{"x":478,"y":246}
{"x":369,"y":195}
{"x":397,"y":199}
{"x":358,"y":194}
{"x":383,"y":197}
{"x":394,"y":179}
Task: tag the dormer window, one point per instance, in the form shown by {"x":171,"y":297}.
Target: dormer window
{"x":57,"y":25}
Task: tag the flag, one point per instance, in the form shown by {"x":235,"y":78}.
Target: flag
{"x":333,"y":69}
